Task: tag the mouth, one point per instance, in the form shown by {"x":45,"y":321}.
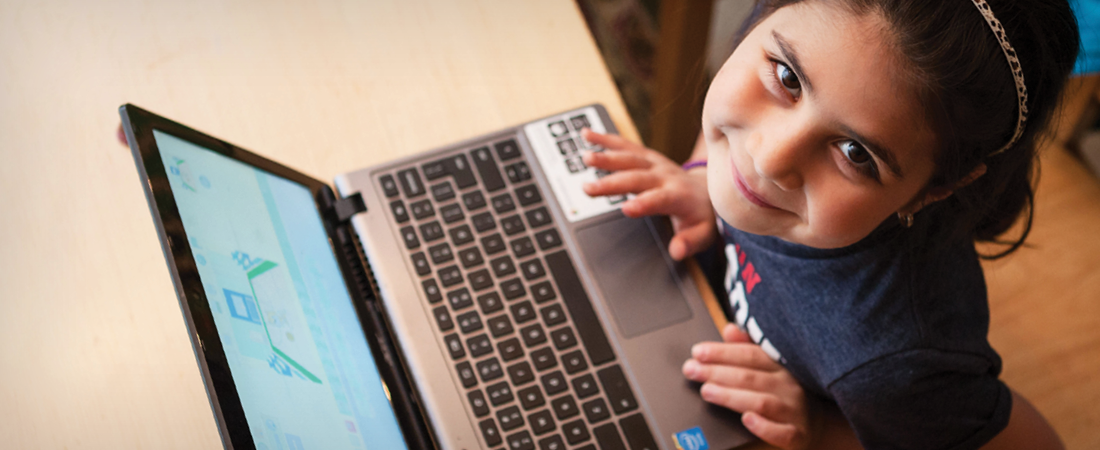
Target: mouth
{"x":747,"y":192}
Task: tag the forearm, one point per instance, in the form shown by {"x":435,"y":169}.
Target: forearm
{"x":1027,"y":429}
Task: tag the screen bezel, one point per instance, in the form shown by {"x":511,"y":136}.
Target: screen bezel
{"x":139,"y":125}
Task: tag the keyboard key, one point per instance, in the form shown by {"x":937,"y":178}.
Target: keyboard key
{"x":440,"y":253}
{"x":532,"y":335}
{"x":487,"y":168}
{"x":537,"y":217}
{"x":580,"y":308}
{"x":531,"y":397}
{"x":552,"y":315}
{"x":567,"y":147}
{"x":502,"y":266}
{"x":470,"y":257}
{"x":553,"y":383}
{"x":443,"y":318}
{"x":490,"y":303}
{"x":522,"y":247}
{"x":554,"y":442}
{"x":492,"y":244}
{"x":500,"y":325}
{"x":507,"y":149}
{"x":523,"y":312}
{"x":558,"y":129}
{"x":422,"y":209}
{"x":490,"y":432}
{"x":564,"y":407}
{"x":579,"y":122}
{"x":452,"y":213}
{"x":490,"y":369}
{"x":575,"y":432}
{"x":431,"y":290}
{"x":637,"y":433}
{"x":542,"y":422}
{"x":461,"y":235}
{"x":512,"y":289}
{"x":454,"y":346}
{"x":469,"y":322}
{"x":499,"y":393}
{"x":467,"y":375}
{"x":608,"y":437}
{"x":479,"y":345}
{"x":420,"y":263}
{"x":512,"y":225}
{"x":543,"y":292}
{"x":410,"y":183}
{"x":595,"y":410}
{"x":518,"y":172}
{"x":532,"y":269}
{"x":459,"y":299}
{"x":521,"y":441}
{"x":528,"y":195}
{"x":400,"y":214}
{"x":474,"y":200}
{"x":548,"y":239}
{"x":585,"y":386}
{"x":503,"y":203}
{"x":388,"y":185}
{"x":618,"y":391}
{"x":563,"y":338}
{"x":520,"y":374}
{"x":434,"y":169}
{"x":478,"y":403}
{"x":509,"y":418}
{"x":510,"y":349}
{"x":443,"y":191}
{"x":431,"y":231}
{"x":544,"y":358}
{"x":459,"y":168}
{"x":480,"y":279}
{"x":409,"y":235}
{"x":574,"y":362}
{"x":484,"y":222}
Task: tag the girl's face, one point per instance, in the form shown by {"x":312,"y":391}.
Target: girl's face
{"x":813,"y":134}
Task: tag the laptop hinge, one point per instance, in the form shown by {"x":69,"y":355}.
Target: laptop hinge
{"x":348,"y":206}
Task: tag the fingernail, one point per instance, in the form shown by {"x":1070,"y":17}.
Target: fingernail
{"x":588,"y":186}
{"x":698,"y":351}
{"x":748,"y":419}
{"x":691,"y":368}
{"x":707,"y":392}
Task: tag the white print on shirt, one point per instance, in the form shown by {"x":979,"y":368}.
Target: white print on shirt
{"x":737,"y":283}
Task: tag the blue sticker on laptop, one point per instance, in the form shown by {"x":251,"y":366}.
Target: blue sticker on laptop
{"x":691,"y":439}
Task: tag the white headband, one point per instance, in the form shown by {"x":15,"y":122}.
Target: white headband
{"x":1014,"y":65}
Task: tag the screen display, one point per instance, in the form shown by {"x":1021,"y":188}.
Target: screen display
{"x":298,"y":355}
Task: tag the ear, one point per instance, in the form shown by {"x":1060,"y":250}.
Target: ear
{"x":933,"y":194}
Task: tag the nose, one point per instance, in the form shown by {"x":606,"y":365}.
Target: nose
{"x":779,"y":152}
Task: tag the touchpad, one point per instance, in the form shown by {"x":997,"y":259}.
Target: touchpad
{"x":638,"y":284}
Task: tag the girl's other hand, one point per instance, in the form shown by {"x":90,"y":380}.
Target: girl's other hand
{"x":661,"y":187}
{"x":738,"y":375}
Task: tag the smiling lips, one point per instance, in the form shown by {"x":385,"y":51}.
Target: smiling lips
{"x":747,"y":192}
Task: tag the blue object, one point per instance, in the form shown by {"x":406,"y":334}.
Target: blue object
{"x":692,"y":439}
{"x":1088,"y":20}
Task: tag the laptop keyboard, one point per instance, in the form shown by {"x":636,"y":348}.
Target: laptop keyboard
{"x":510,"y":310}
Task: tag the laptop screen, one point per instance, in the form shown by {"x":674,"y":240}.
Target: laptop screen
{"x":298,"y":355}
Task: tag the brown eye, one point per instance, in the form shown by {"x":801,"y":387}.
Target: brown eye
{"x":788,"y":79}
{"x":855,"y":152}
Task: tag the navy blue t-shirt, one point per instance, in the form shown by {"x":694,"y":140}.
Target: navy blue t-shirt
{"x":899,"y":343}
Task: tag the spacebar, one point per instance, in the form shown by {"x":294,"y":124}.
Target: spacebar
{"x":580,"y":307}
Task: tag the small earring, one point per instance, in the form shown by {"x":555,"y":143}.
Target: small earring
{"x":905,"y":219}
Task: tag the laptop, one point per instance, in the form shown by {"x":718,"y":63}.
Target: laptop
{"x":468,"y":297}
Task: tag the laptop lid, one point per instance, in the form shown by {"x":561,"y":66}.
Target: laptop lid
{"x":280,"y":316}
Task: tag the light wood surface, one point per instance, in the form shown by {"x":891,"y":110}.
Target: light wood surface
{"x":93,"y":349}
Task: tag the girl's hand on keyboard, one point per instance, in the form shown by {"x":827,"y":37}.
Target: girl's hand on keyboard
{"x":660,"y":186}
{"x":738,"y":375}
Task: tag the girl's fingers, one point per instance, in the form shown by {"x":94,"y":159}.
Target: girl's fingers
{"x":627,"y":182}
{"x":611,"y":141}
{"x":735,"y":354}
{"x":732,"y":333}
{"x":742,"y":400}
{"x":730,"y":376}
{"x":691,"y":240}
{"x":782,"y":435}
{"x":615,"y":160}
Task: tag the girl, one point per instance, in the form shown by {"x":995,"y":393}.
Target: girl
{"x":855,"y":150}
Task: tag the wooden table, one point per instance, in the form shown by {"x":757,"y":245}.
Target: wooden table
{"x":93,"y":349}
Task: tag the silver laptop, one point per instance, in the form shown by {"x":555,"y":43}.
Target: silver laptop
{"x":466,"y":297}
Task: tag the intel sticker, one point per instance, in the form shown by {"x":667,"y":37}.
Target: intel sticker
{"x":691,"y":440}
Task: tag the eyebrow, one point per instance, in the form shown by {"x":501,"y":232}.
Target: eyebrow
{"x":879,"y":150}
{"x":792,"y":58}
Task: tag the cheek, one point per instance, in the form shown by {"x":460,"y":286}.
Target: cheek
{"x":842,"y":217}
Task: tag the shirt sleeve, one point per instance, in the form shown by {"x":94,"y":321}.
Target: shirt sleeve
{"x":924,"y":399}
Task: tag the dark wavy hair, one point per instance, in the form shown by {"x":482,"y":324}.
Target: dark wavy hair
{"x":969,"y":97}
